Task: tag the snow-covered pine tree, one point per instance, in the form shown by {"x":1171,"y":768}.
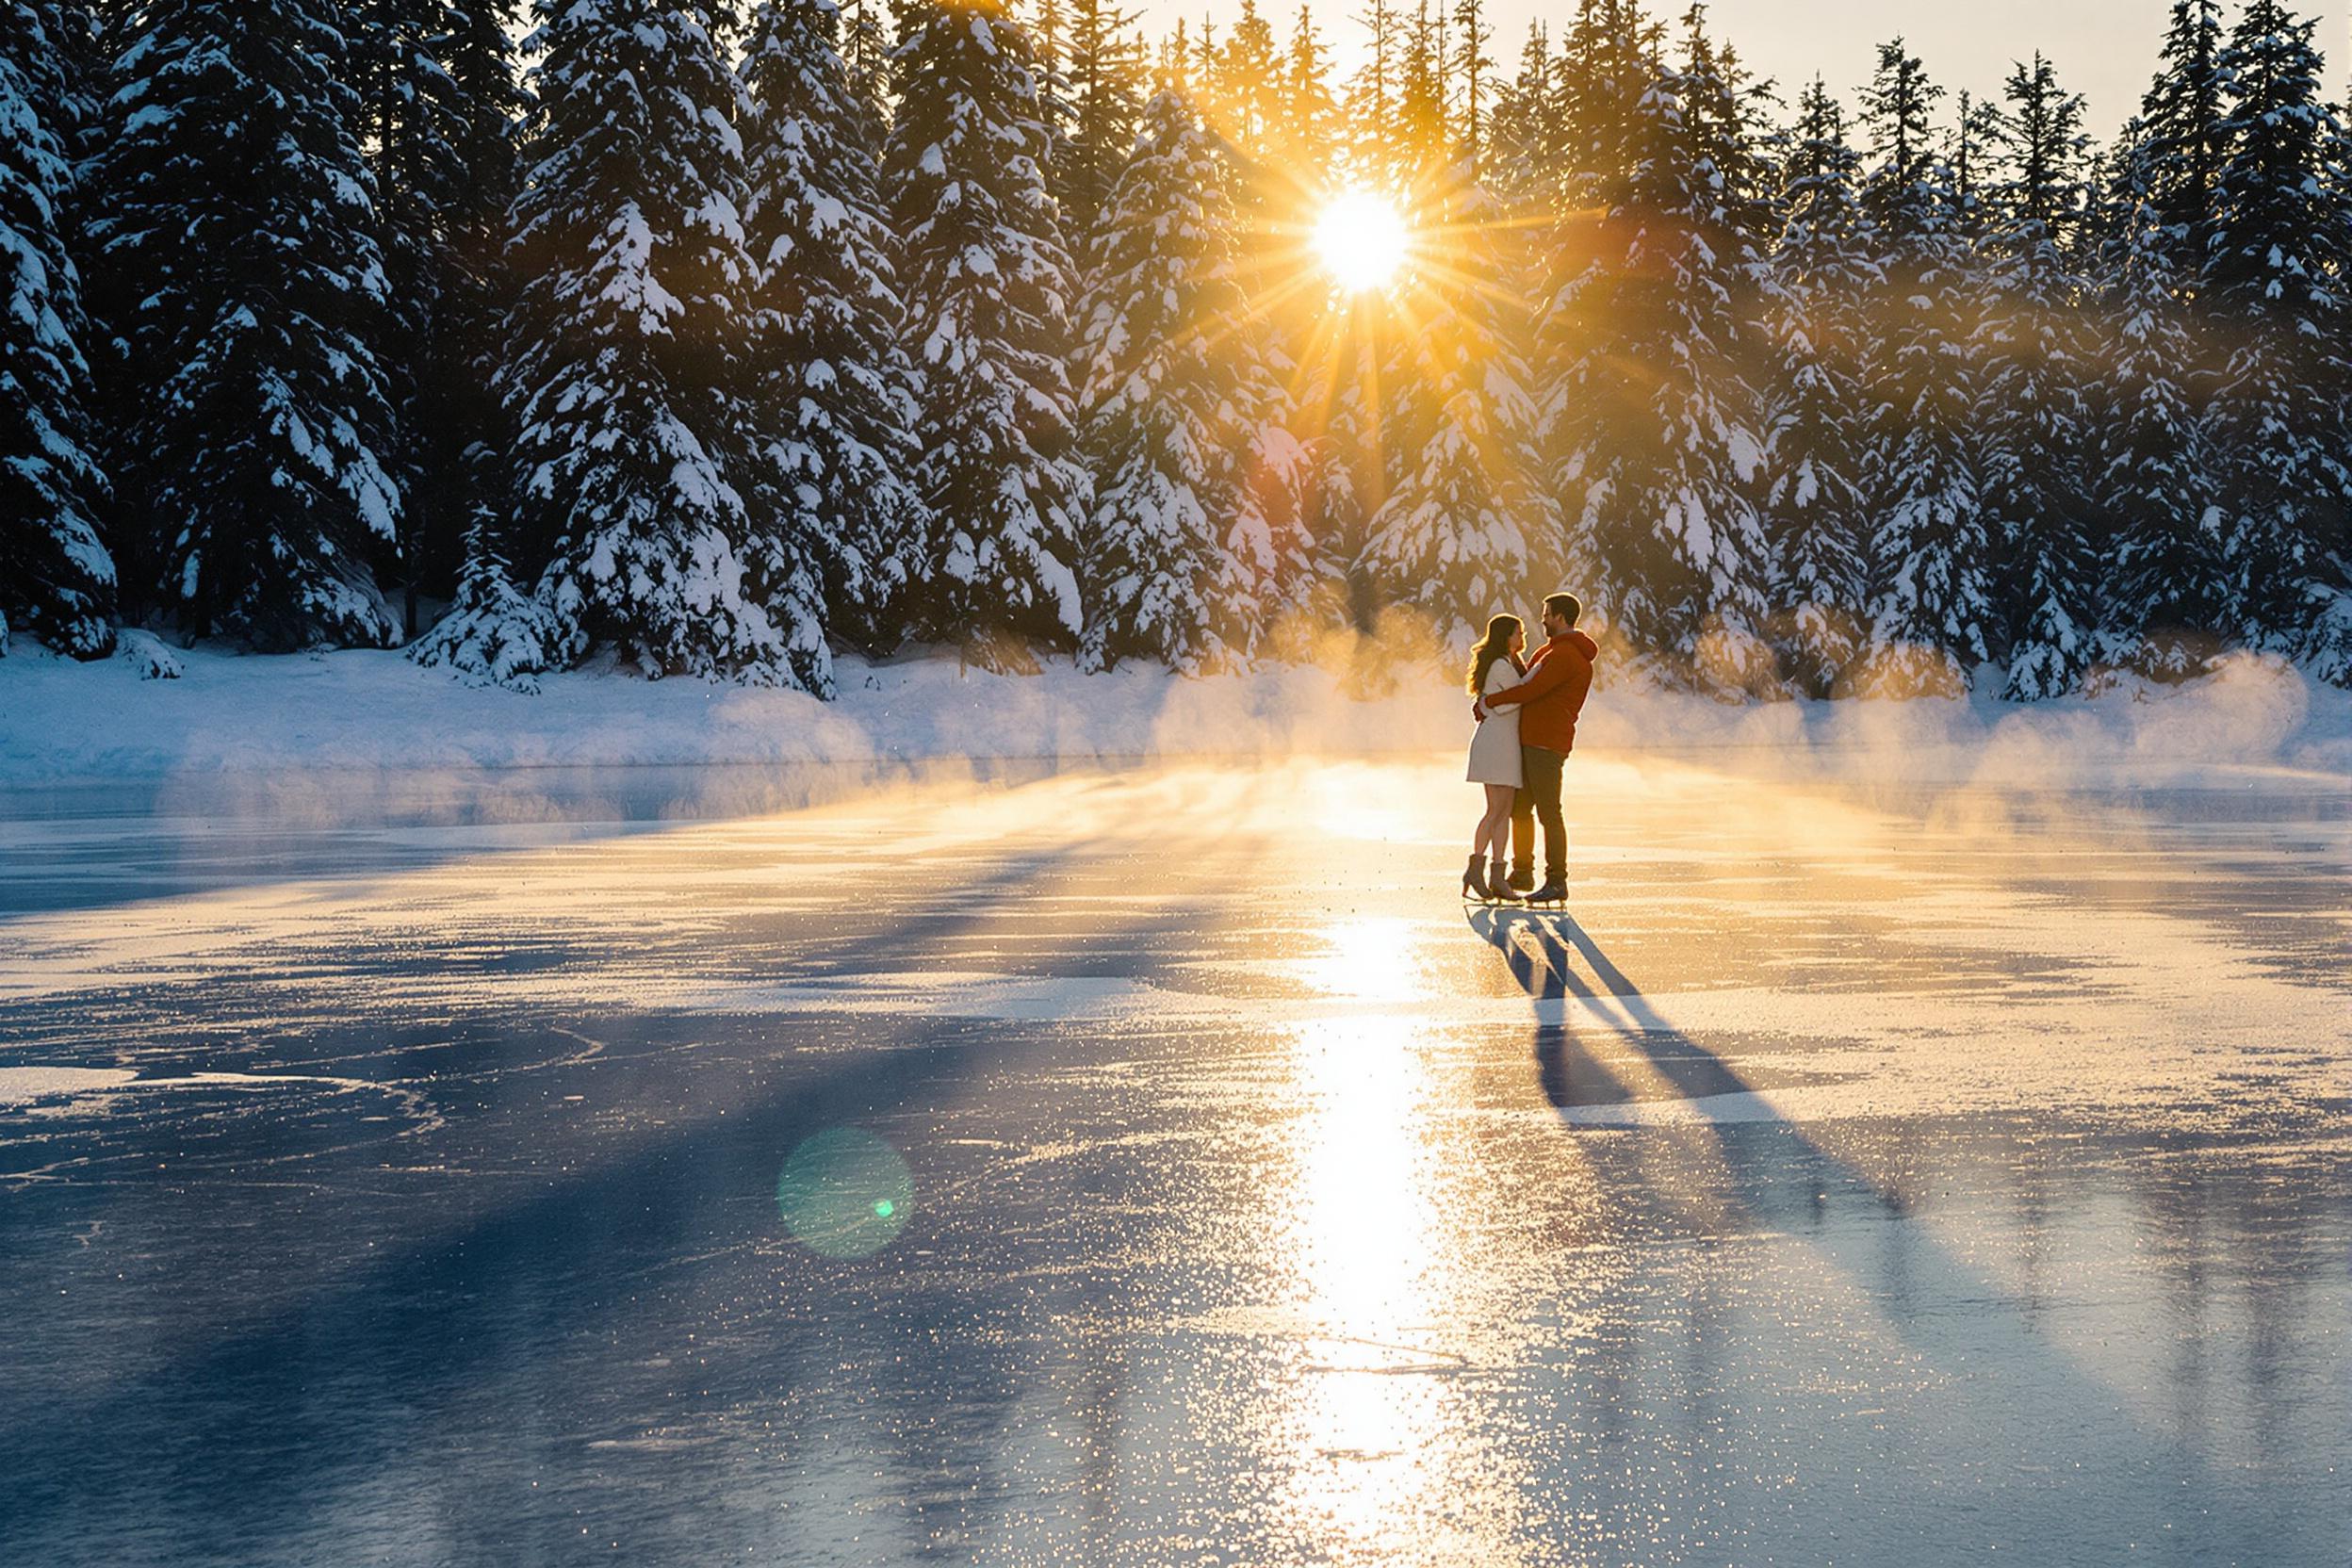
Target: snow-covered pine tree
{"x":1273,"y":565}
{"x":1602,"y":75}
{"x":82,"y":37}
{"x":1969,"y":150}
{"x":2179,"y":135}
{"x":866,"y":56}
{"x":986,"y":285}
{"x":1418,"y":138}
{"x":2037,"y":430}
{"x":2154,"y":485}
{"x":1606,"y":66}
{"x":1719,"y":99}
{"x":2327,"y":648}
{"x":2283,"y":483}
{"x":1464,"y":526}
{"x":624,"y":377}
{"x":241,"y":291}
{"x":1825,"y":268}
{"x":1523,"y":155}
{"x":438,"y":100}
{"x":1306,"y":115}
{"x":1169,"y":422}
{"x":834,"y":389}
{"x":477,"y":52}
{"x":56,"y":578}
{"x":1046,"y":27}
{"x":1660,"y":425}
{"x":1244,"y":85}
{"x":1931,"y":564}
{"x":494,"y":631}
{"x":1105,"y":72}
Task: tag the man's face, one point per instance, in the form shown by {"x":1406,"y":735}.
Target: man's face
{"x":1555,"y":624}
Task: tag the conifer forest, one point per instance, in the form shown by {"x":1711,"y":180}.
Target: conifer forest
{"x":717,"y":339}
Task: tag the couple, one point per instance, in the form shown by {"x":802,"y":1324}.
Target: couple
{"x":1527,"y":717}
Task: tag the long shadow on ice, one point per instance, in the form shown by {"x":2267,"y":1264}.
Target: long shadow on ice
{"x":2066,"y":1460}
{"x":231,"y":1446}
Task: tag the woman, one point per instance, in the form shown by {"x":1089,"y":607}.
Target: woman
{"x":1495,"y":755}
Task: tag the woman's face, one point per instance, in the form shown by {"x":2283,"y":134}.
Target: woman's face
{"x":1519,"y":640}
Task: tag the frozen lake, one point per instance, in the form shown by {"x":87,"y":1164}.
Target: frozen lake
{"x":1162,"y":1166}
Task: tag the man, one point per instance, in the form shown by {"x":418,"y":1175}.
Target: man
{"x":1550,"y":700}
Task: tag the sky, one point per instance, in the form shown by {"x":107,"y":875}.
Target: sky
{"x":2104,"y":49}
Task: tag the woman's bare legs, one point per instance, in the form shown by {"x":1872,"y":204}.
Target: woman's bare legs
{"x":1495,"y":828}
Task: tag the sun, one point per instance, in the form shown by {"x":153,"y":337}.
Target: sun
{"x":1361,"y":239}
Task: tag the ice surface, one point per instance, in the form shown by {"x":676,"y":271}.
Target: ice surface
{"x":1863,"y":1171}
{"x":1924,"y":1179}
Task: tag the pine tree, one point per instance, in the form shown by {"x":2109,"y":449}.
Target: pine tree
{"x":82,"y":39}
{"x":1306,"y":115}
{"x":987,"y":285}
{"x":438,"y":101}
{"x":1420,"y":137}
{"x":835,"y":393}
{"x":1105,"y":72}
{"x":2154,"y":484}
{"x":409,"y":125}
{"x":1600,"y":78}
{"x":1975,"y":131}
{"x":1468,"y":69}
{"x":1660,"y":426}
{"x":1931,"y":561}
{"x":1280,"y":274}
{"x":1715,"y":95}
{"x":2180,"y":134}
{"x":56,"y":578}
{"x":866,"y":56}
{"x":624,"y":378}
{"x":1047,"y":30}
{"x":1372,"y":92}
{"x":1168,"y":423}
{"x":242,"y":290}
{"x":1244,"y":86}
{"x":2283,"y":488}
{"x":2036,"y":419}
{"x":1463,"y":527}
{"x":1606,"y":67}
{"x":1172,"y":61}
{"x":1825,"y":268}
{"x":1525,"y":137}
{"x":494,"y":631}
{"x":2328,"y":645}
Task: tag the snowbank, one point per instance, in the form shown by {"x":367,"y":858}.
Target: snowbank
{"x":62,"y":722}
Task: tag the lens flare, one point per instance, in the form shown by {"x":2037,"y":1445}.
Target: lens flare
{"x":845,"y":1193}
{"x":1361,"y":239}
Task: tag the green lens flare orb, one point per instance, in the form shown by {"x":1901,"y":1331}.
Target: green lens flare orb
{"x":845,"y":1193}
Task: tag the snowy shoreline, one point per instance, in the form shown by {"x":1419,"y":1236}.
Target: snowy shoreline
{"x":64,"y":722}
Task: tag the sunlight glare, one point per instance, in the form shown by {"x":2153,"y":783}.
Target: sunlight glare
{"x":1361,"y":239}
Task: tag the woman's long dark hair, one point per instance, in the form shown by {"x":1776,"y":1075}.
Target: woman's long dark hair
{"x":1497,"y":644}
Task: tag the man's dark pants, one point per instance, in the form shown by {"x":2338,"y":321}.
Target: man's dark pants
{"x":1539,"y":797}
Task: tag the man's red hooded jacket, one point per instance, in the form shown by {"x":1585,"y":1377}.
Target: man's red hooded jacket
{"x":1553,"y":693}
